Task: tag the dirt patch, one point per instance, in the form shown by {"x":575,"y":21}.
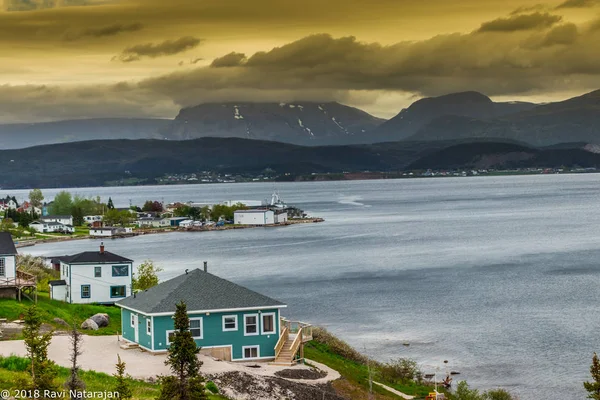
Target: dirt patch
{"x":301,"y":374}
{"x":240,"y":385}
{"x":12,"y":330}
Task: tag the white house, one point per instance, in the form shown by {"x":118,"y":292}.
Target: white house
{"x":93,"y":277}
{"x":51,"y":227}
{"x":153,"y":222}
{"x":8,"y":254}
{"x":92,"y":218}
{"x":109,"y":231}
{"x":63,"y":219}
{"x":188,"y":223}
{"x":253,"y":217}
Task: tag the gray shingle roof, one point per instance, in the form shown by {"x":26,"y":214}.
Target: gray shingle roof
{"x":201,"y":291}
{"x":7,"y":246}
{"x":94,"y":257}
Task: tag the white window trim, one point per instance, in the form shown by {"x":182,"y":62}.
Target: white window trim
{"x":257,"y":347}
{"x":201,"y":327}
{"x":167,"y":334}
{"x":131,"y":320}
{"x":257,"y":325}
{"x":262,"y":328}
{"x":235,"y":317}
{"x":148,"y":326}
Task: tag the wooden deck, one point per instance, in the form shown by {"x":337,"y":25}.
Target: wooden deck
{"x":25,"y":285}
{"x":291,"y":342}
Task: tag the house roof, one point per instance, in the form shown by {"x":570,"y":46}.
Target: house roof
{"x":57,"y":283}
{"x":56,"y":217}
{"x":201,"y":291}
{"x":7,"y":246}
{"x":94,"y":257}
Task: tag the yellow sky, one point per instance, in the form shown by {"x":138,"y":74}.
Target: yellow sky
{"x":82,"y":58}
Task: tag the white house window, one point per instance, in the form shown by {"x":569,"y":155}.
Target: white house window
{"x":196,"y":328}
{"x":149,"y":326}
{"x":230,"y":323}
{"x":2,"y":267}
{"x":133,"y":320}
{"x":120,"y":270}
{"x":85,"y":291}
{"x":117,"y":291}
{"x":170,"y":337}
{"x":251,"y":351}
{"x":250,"y":324}
{"x":97,"y":272}
{"x":268,"y":323}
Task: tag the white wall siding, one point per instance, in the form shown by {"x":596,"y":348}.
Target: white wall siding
{"x":254,"y":217}
{"x":100,"y":287}
{"x":59,"y":292}
{"x":10,"y":268}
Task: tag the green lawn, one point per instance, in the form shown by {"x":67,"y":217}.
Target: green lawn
{"x":50,"y":309}
{"x":357,"y":372}
{"x":12,"y":370}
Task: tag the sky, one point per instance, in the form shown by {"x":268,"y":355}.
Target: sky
{"x":64,"y":59}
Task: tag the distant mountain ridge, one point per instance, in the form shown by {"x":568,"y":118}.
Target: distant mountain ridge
{"x":304,"y":123}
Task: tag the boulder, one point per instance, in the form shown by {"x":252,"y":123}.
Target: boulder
{"x":60,"y":321}
{"x":89,"y":324}
{"x":101,"y":320}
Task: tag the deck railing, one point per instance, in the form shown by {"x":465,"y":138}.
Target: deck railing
{"x":22,"y":279}
{"x":304,"y":330}
{"x":296,"y":344}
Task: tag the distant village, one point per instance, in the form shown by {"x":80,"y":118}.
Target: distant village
{"x":75,"y":216}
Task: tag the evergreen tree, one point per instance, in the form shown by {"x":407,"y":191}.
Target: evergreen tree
{"x":186,"y":384}
{"x":74,"y":384}
{"x":122,"y":387}
{"x":43,"y":371}
{"x":593,"y":388}
{"x":77,"y":213}
{"x":110,"y":204}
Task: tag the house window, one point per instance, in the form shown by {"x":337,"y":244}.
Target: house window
{"x":120,"y":270}
{"x":268,"y":323}
{"x":251,"y":351}
{"x":196,"y":328}
{"x":170,"y":337}
{"x":250,"y":324}
{"x":2,"y":267}
{"x":230,"y":323}
{"x":97,"y":272}
{"x":133,"y":320}
{"x":148,"y":326}
{"x":117,"y":291}
{"x":85,"y":291}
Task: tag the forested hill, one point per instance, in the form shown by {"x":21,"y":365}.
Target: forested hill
{"x":93,"y":163}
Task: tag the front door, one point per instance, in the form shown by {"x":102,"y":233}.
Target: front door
{"x":136,"y":328}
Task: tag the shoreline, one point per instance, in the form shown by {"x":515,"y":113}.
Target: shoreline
{"x":28,"y":243}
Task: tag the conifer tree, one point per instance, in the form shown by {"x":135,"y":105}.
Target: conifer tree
{"x":122,"y":386}
{"x":186,"y":383}
{"x":74,"y":384}
{"x":593,"y":388}
{"x":110,"y":204}
{"x":43,"y":371}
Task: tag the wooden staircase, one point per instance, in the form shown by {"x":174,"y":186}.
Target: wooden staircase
{"x":287,"y":354}
{"x":291,"y":342}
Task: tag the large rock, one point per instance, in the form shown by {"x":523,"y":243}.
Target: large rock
{"x":101,"y":320}
{"x":89,"y":324}
{"x":61,"y":321}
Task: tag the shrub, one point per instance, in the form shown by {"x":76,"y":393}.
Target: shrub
{"x":498,"y":394}
{"x":338,"y":346}
{"x":210,"y":385}
{"x":401,"y":370}
{"x":15,"y":364}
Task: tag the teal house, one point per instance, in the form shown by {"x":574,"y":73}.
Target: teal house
{"x":228,"y":321}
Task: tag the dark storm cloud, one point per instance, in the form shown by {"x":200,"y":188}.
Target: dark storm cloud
{"x":520,"y":22}
{"x":529,"y":9}
{"x":154,"y":50}
{"x":108,"y":30}
{"x":232,"y":59}
{"x":30,"y":5}
{"x":578,"y":4}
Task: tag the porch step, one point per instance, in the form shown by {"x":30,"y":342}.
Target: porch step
{"x":129,"y":346}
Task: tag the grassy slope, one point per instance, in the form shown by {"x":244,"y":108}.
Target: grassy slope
{"x":12,"y":370}
{"x":356,"y":376}
{"x":50,"y":309}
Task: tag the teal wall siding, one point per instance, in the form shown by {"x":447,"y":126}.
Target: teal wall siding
{"x":128,"y":331}
{"x":145,"y":338}
{"x":213,"y":335}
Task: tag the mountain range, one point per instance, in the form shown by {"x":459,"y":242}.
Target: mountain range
{"x":464,"y":116}
{"x":93,"y":163}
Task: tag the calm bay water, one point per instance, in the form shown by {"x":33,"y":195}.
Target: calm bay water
{"x":497,"y":275}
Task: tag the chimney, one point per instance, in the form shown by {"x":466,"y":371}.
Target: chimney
{"x":101,"y":247}
{"x":205,"y":266}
